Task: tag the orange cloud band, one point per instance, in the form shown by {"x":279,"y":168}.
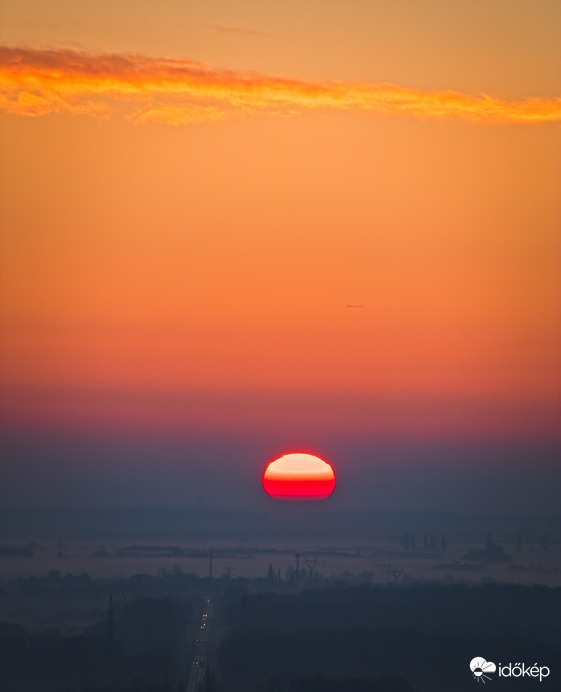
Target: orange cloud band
{"x":179,"y":92}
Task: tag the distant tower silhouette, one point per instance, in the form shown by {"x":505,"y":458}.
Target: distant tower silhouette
{"x":110,"y":640}
{"x":396,"y":573}
{"x":310,"y":564}
{"x":110,"y":623}
{"x":297,"y":556}
{"x":210,"y":564}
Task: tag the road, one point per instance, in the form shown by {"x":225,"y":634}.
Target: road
{"x":200,"y":657}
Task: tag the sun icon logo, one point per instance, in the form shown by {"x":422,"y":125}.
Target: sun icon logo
{"x":480,"y":667}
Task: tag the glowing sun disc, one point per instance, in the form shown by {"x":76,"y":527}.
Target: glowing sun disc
{"x":299,"y":476}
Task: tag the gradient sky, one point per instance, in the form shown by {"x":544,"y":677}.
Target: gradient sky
{"x":232,"y":230}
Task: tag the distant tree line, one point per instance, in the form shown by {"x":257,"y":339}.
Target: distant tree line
{"x":27,"y":550}
{"x":417,"y":637}
{"x":138,"y":649}
{"x":301,"y":635}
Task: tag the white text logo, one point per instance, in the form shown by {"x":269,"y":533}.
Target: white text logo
{"x":482,"y":669}
{"x":521,"y":670}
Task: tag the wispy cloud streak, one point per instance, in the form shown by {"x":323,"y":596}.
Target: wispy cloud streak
{"x":39,"y":82}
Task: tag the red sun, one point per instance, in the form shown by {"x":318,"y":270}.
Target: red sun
{"x":299,"y":476}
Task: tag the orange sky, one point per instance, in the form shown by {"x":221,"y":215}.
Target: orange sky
{"x":192,"y":198}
